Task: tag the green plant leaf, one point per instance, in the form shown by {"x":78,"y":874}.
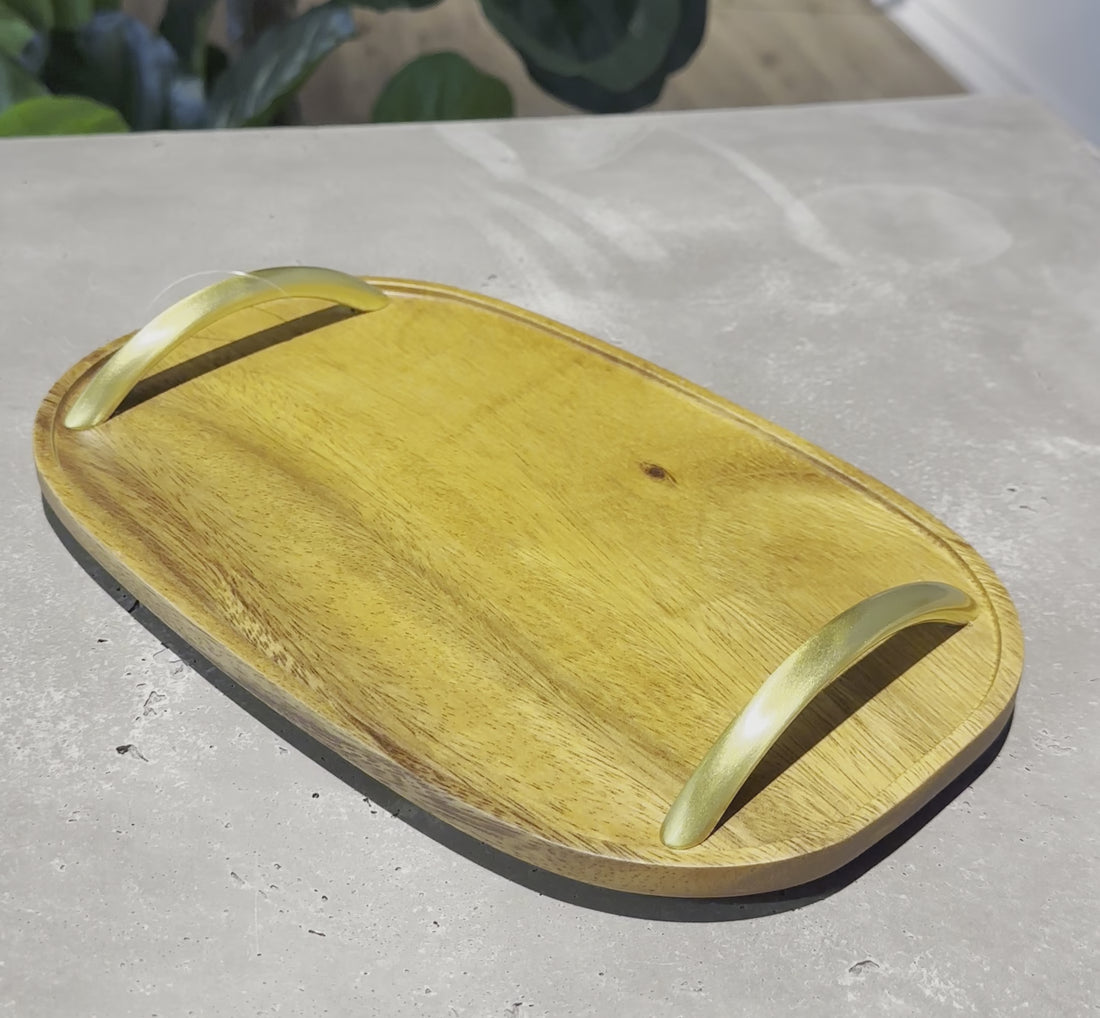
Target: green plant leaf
{"x":592,"y":97}
{"x":16,"y":82}
{"x":586,"y":95}
{"x":69,"y":15}
{"x":22,"y":41}
{"x":36,"y":13}
{"x":117,"y":61}
{"x":184,"y":25}
{"x":270,"y":71}
{"x":442,"y":86}
{"x":615,"y":44}
{"x":689,"y":35}
{"x":215,"y":62}
{"x":59,"y":114}
{"x":15,"y":33}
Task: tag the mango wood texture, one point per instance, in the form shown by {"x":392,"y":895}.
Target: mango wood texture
{"x":525,"y":579}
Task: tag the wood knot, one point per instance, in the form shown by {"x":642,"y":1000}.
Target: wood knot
{"x":657,"y":472}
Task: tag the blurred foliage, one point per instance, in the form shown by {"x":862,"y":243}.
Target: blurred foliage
{"x":56,"y":114}
{"x":599,"y":55}
{"x":442,"y":86}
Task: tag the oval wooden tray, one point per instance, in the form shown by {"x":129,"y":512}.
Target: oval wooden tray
{"x":526,"y":580}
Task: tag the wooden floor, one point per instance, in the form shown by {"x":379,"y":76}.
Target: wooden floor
{"x":756,"y":52}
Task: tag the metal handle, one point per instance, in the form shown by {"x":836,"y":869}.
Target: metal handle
{"x":843,"y":642}
{"x":110,"y":384}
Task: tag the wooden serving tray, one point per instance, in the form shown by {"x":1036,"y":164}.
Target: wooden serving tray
{"x":527,"y":580}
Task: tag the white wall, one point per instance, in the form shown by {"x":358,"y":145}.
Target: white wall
{"x":1049,"y":48}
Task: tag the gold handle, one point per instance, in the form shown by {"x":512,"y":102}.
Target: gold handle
{"x":110,"y":384}
{"x":845,"y":640}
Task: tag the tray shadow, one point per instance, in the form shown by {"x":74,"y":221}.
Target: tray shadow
{"x":860,"y":684}
{"x":227,"y":353}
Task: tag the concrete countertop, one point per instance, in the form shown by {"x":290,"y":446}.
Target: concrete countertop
{"x":914,"y":286}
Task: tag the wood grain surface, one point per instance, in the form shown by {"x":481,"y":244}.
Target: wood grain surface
{"x":525,"y":579}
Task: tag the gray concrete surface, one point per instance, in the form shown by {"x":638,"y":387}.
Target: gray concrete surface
{"x":911,"y":285}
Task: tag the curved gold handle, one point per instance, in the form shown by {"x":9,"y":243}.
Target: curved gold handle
{"x":110,"y":384}
{"x":845,"y":640}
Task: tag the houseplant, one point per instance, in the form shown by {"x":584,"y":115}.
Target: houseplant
{"x":599,"y":55}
